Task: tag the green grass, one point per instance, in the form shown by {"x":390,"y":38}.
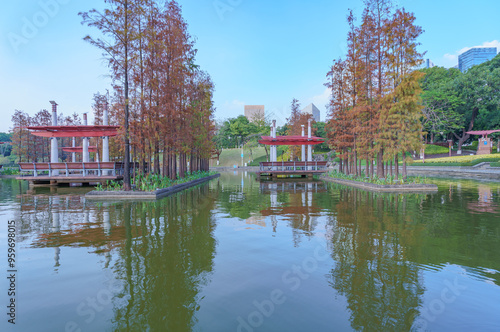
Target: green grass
{"x":230,"y":157}
{"x":258,"y":160}
{"x":465,"y":161}
{"x":495,"y":164}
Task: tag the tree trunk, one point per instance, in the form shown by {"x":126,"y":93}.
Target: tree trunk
{"x":380,"y":164}
{"x":464,"y":137}
{"x":126,"y":175}
{"x":396,"y":166}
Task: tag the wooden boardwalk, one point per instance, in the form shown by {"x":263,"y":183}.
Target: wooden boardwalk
{"x":66,"y":173}
{"x":292,"y":169}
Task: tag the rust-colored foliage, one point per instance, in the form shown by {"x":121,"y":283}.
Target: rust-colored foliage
{"x":374,"y":108}
{"x":162,"y":99}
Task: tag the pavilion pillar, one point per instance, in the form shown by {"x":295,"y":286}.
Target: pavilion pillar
{"x":271,"y":147}
{"x":309,"y":147}
{"x":85,"y":143}
{"x":275,"y":149}
{"x":303,"y":156}
{"x":105,"y":140}
{"x":54,"y":152}
{"x":73,"y":154}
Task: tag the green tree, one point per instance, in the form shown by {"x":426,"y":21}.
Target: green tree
{"x":478,"y":91}
{"x":440,"y":101}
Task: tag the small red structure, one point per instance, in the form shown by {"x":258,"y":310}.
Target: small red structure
{"x":282,"y":169}
{"x":485,"y":144}
{"x":84,"y":172}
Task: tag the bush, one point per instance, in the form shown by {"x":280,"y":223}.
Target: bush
{"x":435,"y":149}
{"x":495,"y":164}
{"x":9,"y":171}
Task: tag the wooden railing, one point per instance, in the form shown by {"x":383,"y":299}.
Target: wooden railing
{"x":293,"y":166}
{"x":85,"y":169}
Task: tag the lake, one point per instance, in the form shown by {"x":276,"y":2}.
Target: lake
{"x":236,"y":254}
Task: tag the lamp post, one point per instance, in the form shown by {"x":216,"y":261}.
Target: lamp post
{"x":241,"y":145}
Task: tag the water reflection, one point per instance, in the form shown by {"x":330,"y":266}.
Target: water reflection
{"x":162,"y":251}
{"x":370,"y":238}
{"x":387,"y":254}
{"x":383,"y":244}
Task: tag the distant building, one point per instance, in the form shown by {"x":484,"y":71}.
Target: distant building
{"x":253,"y":112}
{"x":428,"y":63}
{"x":313,"y":110}
{"x":475,"y":56}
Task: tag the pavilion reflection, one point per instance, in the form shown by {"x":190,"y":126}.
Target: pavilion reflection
{"x":290,"y":201}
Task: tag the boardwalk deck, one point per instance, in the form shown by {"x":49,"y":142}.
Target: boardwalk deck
{"x":292,"y":169}
{"x":66,"y":173}
{"x":62,"y":179}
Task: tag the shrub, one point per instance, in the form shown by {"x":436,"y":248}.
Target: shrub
{"x":435,"y":149}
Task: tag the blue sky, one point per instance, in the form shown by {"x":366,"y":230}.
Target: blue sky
{"x":257,"y":51}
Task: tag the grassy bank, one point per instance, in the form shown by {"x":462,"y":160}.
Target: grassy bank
{"x":230,"y":157}
{"x":458,"y":161}
{"x":389,"y":180}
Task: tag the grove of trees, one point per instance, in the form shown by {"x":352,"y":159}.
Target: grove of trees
{"x":375,"y":107}
{"x":162,"y":99}
{"x":456,"y":102}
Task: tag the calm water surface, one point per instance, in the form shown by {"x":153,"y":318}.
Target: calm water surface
{"x":239,"y":255}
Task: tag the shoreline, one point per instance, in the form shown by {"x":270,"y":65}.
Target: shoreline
{"x":148,"y":195}
{"x":408,"y":188}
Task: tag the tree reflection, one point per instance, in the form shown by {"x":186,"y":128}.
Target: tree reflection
{"x":370,"y":239}
{"x":168,"y":264}
{"x":380,"y":241}
{"x":163,"y":251}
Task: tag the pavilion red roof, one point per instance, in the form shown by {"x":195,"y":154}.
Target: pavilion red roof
{"x":483,"y":132}
{"x":291,"y":140}
{"x":74,"y":131}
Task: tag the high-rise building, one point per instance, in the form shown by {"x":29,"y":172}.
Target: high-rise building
{"x":254,"y":112}
{"x":313,"y":110}
{"x":428,"y":63}
{"x":475,"y":56}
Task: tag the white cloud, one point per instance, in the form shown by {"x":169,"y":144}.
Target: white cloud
{"x":235,"y":105}
{"x":450,"y":60}
{"x":322,"y":99}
